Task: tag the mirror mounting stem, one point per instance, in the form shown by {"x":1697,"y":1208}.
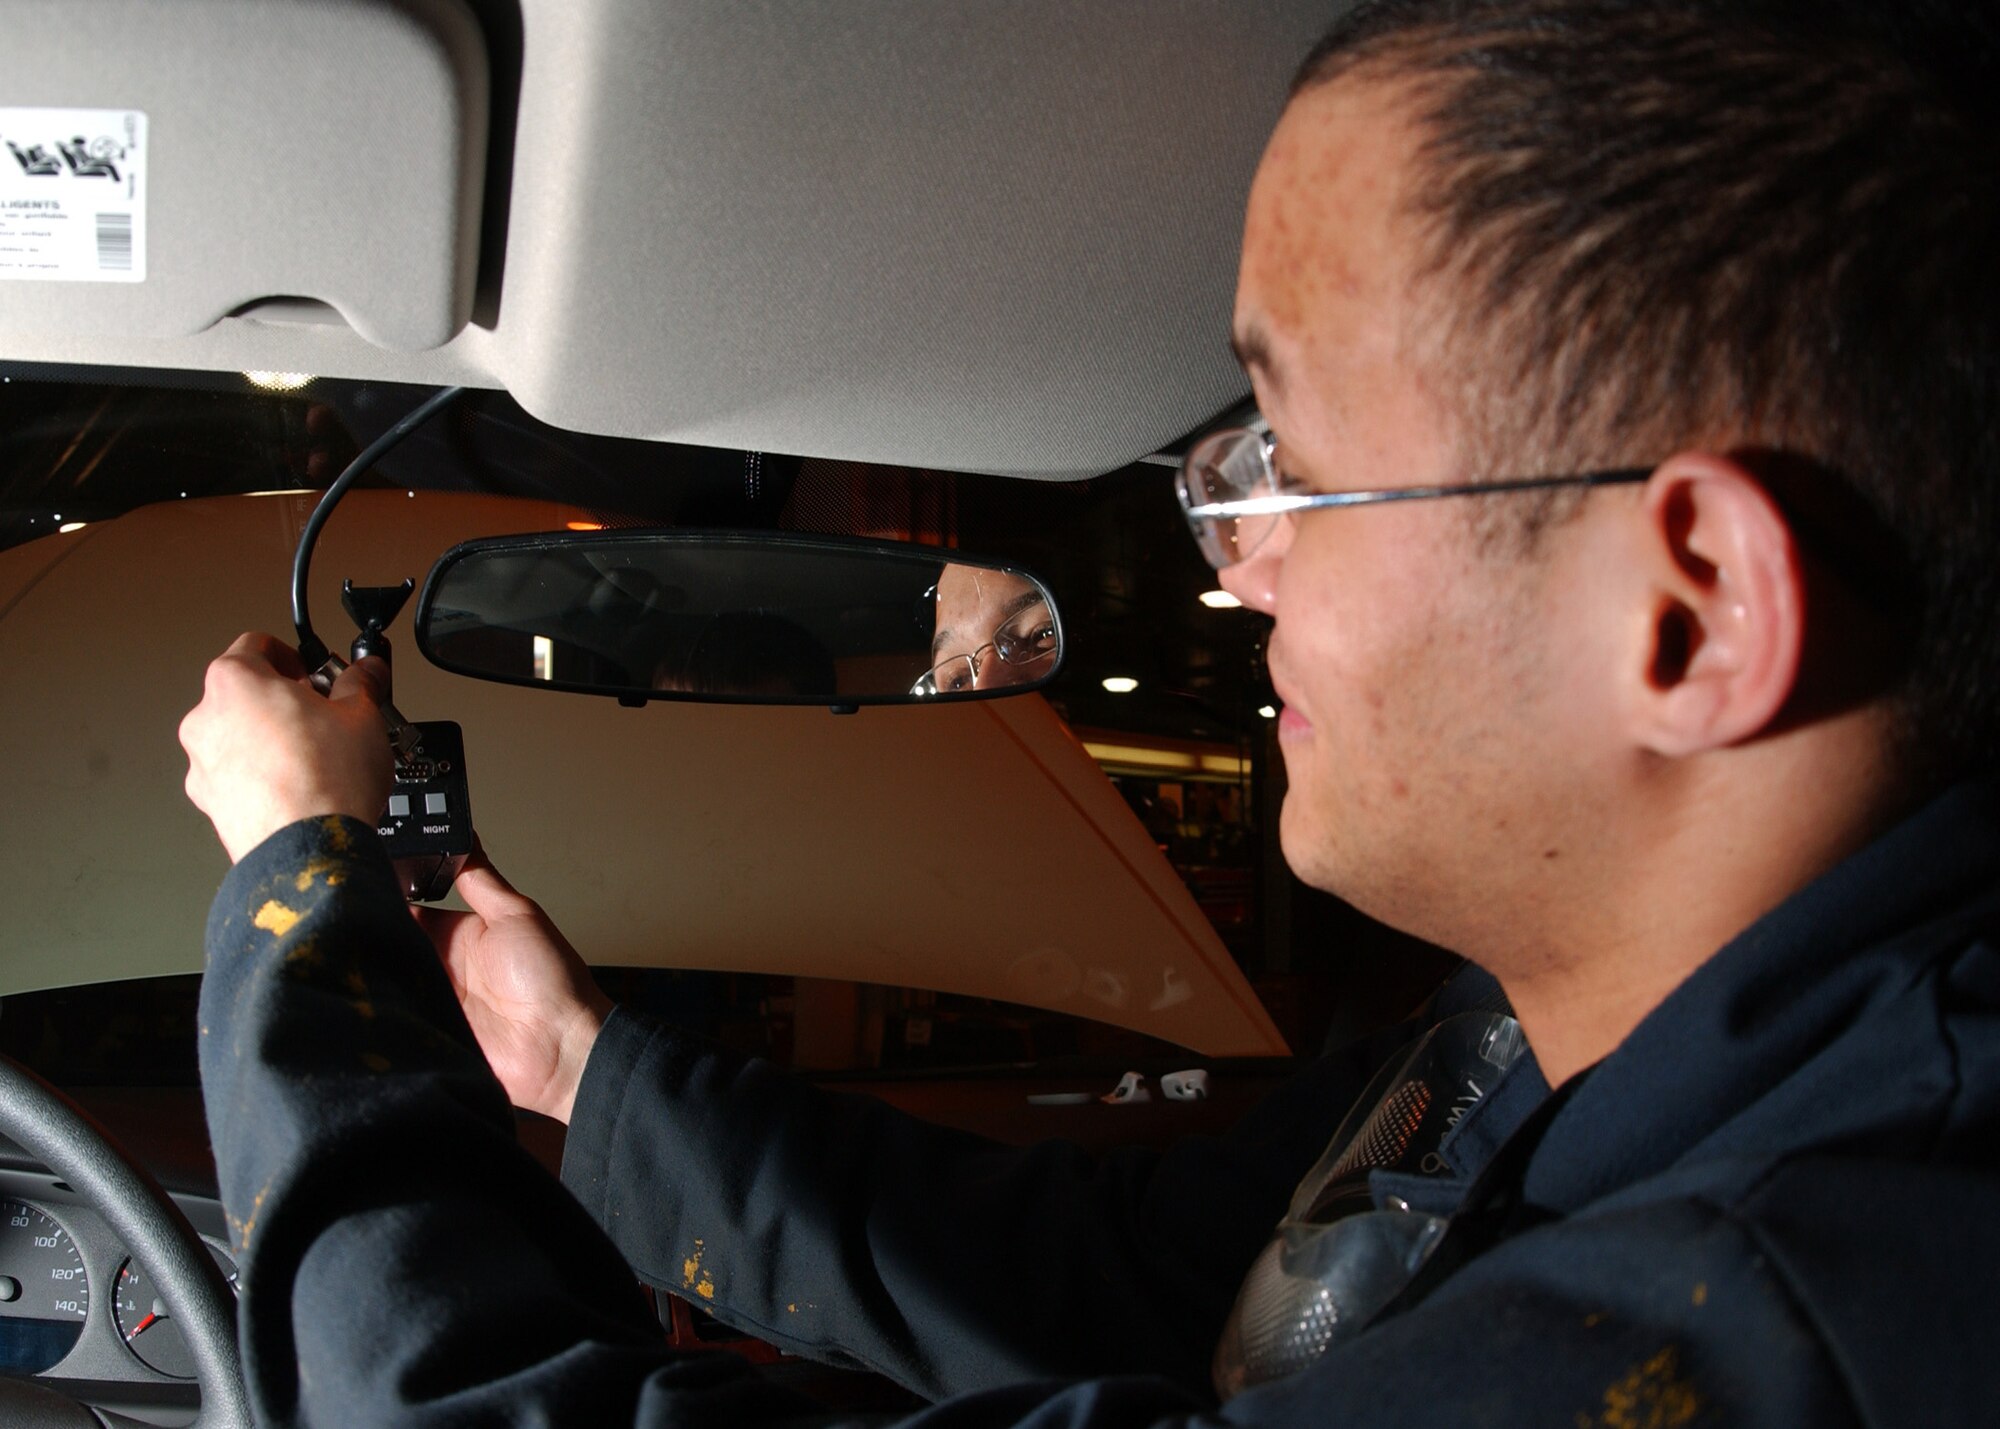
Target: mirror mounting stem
{"x":313,"y":650}
{"x":373,"y":608}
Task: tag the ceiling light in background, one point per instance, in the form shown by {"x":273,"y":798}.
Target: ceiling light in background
{"x":72,"y":526}
{"x":278,"y":381}
{"x":1121,"y":684}
{"x":1268,"y":712}
{"x":1219,"y":600}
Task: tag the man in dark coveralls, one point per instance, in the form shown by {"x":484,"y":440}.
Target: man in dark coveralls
{"x":1692,"y":749}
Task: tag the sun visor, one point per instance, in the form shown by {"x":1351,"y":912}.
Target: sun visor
{"x":162,"y":166}
{"x":972,"y":848}
{"x":999,"y":238}
{"x":985,"y":237}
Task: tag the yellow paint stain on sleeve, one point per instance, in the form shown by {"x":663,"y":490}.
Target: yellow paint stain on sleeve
{"x":1701,"y":1292}
{"x":305,"y":956}
{"x":324,"y":868}
{"x":693,"y":1277}
{"x":243,"y":1228}
{"x":276,"y":919}
{"x":336,"y":833}
{"x":1650,"y":1396}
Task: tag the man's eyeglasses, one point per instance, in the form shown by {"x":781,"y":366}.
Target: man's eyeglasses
{"x":1023,"y":641}
{"x":1235,"y":495}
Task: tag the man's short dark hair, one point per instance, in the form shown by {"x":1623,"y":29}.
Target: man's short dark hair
{"x":1655,"y":225}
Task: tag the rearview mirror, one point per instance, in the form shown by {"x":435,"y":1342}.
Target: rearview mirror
{"x":737,"y":617}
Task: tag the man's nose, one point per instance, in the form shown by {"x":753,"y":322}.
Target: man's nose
{"x":1255,"y":581}
{"x":995,"y":673}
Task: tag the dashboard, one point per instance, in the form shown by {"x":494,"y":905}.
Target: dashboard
{"x":78,"y":1312}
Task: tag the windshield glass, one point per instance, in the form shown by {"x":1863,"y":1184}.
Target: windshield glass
{"x":1165,"y":689}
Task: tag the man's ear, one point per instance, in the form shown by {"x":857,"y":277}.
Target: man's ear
{"x":1727,"y":625}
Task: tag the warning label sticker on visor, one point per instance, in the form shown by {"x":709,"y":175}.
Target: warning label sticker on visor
{"x":73,"y":195}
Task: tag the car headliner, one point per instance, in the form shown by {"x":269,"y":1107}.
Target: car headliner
{"x":971,"y":237}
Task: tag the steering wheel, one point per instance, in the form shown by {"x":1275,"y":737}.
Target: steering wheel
{"x":51,"y":1128}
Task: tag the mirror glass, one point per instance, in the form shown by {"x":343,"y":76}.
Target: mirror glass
{"x":748,"y":618}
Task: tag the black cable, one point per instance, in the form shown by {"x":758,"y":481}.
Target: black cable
{"x":311,"y":649}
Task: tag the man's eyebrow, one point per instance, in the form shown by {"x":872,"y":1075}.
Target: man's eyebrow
{"x":1253,"y":351}
{"x":1019,"y":603}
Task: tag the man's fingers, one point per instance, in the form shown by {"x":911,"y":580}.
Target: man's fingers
{"x":269,"y":650}
{"x":252,"y":642}
{"x":440,"y":925}
{"x":487,"y":893}
{"x":449,"y":931}
{"x":265,"y":751}
{"x":365,"y":679}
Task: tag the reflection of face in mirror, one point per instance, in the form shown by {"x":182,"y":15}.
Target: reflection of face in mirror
{"x":994,"y":629}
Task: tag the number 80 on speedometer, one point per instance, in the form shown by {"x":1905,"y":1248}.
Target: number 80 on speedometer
{"x":44,"y":1295}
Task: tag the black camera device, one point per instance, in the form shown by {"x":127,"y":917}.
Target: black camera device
{"x":427,"y":825}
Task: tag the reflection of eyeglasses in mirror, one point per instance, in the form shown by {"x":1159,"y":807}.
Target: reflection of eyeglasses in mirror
{"x":1022,"y":642}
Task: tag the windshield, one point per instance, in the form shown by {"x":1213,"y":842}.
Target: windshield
{"x":1165,"y":689}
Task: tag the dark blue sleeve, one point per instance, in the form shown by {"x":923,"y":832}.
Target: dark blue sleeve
{"x":840,"y":1228}
{"x":403,"y":1261}
{"x":406,"y":1266}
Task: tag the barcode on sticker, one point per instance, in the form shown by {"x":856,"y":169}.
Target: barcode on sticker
{"x":114,"y":242}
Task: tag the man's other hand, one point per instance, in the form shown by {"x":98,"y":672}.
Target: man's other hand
{"x":527,"y":994}
{"x":265,"y":749}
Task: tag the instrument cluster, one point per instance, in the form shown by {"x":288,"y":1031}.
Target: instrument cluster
{"x":74,"y":1306}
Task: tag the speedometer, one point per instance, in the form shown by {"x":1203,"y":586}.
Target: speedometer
{"x":44,"y":1297}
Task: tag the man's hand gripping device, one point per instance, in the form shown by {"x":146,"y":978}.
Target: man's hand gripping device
{"x":427,"y":826}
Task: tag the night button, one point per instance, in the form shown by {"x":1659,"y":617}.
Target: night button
{"x":433,"y":803}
